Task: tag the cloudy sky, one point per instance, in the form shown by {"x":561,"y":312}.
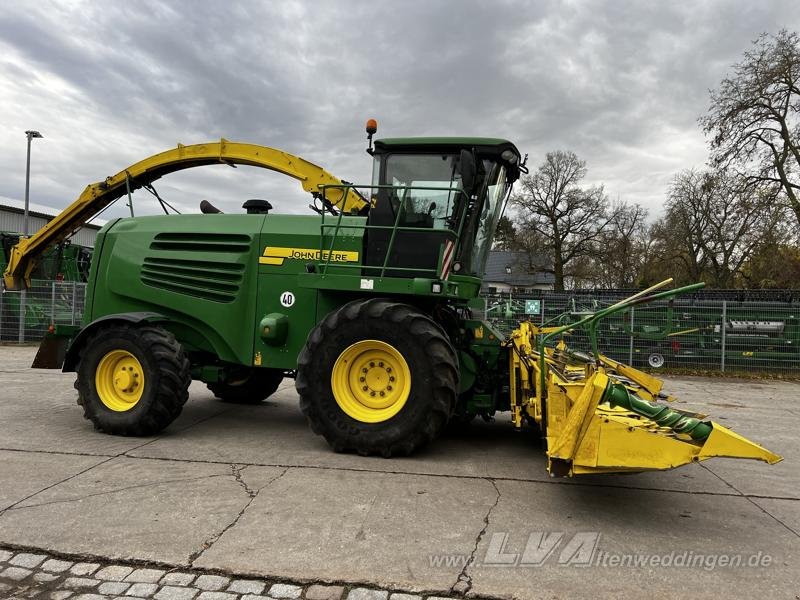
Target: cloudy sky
{"x":621,"y":83}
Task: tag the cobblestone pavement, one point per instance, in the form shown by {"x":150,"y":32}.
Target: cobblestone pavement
{"x":25,"y":574}
{"x":250,"y":491}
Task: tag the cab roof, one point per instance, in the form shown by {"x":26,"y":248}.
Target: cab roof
{"x":483,"y":146}
{"x":442,"y":141}
{"x":493,"y":145}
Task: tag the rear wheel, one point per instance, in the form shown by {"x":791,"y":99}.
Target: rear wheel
{"x":655,"y":359}
{"x":132,"y":380}
{"x":250,"y":387}
{"x":377,"y":377}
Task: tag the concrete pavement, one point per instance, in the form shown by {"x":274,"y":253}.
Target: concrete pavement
{"x":251,"y":491}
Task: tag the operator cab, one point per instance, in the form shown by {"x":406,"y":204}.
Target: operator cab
{"x":434,"y":190}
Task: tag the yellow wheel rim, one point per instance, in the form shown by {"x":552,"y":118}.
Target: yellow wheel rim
{"x":371,"y":381}
{"x":119,"y":380}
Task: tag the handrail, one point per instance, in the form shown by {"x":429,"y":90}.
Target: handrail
{"x":394,"y":228}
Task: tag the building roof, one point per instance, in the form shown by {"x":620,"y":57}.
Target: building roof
{"x":525,"y":270}
{"x":41,"y":211}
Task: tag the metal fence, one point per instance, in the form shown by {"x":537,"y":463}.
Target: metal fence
{"x":705,"y":332}
{"x":26,"y":315}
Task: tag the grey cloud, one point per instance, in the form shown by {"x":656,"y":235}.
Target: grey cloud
{"x":620,"y":83}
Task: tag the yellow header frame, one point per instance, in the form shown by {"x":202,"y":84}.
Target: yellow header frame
{"x":97,"y":196}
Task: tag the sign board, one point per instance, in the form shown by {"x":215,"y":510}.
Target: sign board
{"x":533,"y":307}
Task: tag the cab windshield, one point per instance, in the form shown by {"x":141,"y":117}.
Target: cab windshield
{"x":442,"y":205}
{"x":433,"y":207}
{"x":490,"y":213}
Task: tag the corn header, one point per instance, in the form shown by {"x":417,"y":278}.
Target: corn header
{"x":367,"y":305}
{"x":598,"y":415}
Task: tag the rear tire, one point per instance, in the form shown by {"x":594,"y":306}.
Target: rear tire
{"x":381,"y":339}
{"x":654,"y":358}
{"x":132,"y":380}
{"x":253,"y":387}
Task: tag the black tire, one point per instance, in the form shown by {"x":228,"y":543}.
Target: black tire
{"x":431,"y":360}
{"x":166,"y":374}
{"x":251,"y":387}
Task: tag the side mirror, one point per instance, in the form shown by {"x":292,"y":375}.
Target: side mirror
{"x":467,"y":161}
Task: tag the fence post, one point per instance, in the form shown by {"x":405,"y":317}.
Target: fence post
{"x":630,"y":343}
{"x":74,"y":286}
{"x":53,"y":303}
{"x":21,"y":324}
{"x":722,"y":334}
{"x":2,"y":312}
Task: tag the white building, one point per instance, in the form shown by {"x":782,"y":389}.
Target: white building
{"x":12,"y":220}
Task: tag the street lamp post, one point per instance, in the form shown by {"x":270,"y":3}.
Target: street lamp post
{"x":26,"y":229}
{"x":30,"y":135}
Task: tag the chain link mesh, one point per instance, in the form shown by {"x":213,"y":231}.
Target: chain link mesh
{"x":704,"y":332}
{"x":25,"y":316}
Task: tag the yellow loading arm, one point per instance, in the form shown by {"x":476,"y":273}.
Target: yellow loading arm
{"x":97,"y":196}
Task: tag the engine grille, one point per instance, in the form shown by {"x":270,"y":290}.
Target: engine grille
{"x":203,"y":242}
{"x":215,"y":280}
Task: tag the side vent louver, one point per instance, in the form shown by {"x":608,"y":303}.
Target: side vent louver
{"x":207,"y":279}
{"x":203,"y":242}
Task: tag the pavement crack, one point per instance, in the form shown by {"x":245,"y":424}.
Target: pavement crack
{"x":44,"y":489}
{"x":546,"y":482}
{"x":124,"y":453}
{"x":463,"y":583}
{"x":750,"y":500}
{"x":236,"y":473}
{"x":549,"y":481}
{"x":118,"y":490}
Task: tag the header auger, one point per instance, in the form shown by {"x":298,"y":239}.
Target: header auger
{"x":367,"y":304}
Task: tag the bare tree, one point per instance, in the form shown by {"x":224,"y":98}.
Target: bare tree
{"x":621,"y":248}
{"x":738,"y":218}
{"x":775,"y":263}
{"x":680,"y":231}
{"x":712,"y":225}
{"x":753,"y":119}
{"x":567,"y":218}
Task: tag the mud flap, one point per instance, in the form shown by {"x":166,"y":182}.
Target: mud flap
{"x":51,"y":353}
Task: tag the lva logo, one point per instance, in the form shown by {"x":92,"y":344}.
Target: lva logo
{"x":576,"y":551}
